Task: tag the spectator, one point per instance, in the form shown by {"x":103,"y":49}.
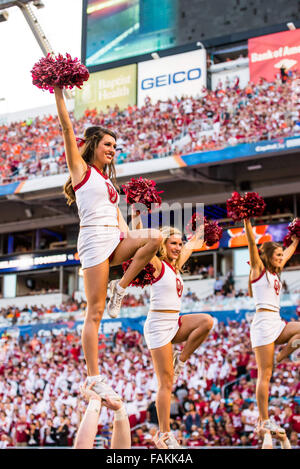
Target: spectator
{"x":193,"y":418}
{"x":21,"y":431}
{"x":218,"y":285}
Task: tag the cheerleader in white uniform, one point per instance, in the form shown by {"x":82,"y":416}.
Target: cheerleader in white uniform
{"x":92,"y":185}
{"x":267,"y":328}
{"x":163,"y":326}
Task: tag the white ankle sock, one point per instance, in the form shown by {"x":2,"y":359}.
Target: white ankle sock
{"x":93,"y":378}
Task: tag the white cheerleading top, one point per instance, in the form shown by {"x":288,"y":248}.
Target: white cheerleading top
{"x":266,"y":291}
{"x":166,"y":290}
{"x":97,"y":199}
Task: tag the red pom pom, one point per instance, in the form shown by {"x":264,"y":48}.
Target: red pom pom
{"x":142,"y":191}
{"x":60,"y":71}
{"x":293,"y":230}
{"x":212,"y":231}
{"x":287,"y":240}
{"x":241,"y":207}
{"x":145,"y":277}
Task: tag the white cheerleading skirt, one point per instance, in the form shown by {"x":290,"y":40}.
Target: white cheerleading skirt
{"x":265,"y":328}
{"x":160,"y":328}
{"x":97,"y":243}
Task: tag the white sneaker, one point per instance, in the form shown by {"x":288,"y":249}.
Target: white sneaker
{"x":116,"y":297}
{"x":102,"y":388}
{"x":178,"y":367}
{"x":271,"y":426}
{"x":171,"y":442}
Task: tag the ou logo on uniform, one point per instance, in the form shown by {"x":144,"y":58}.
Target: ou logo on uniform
{"x":179,"y":287}
{"x":277,"y":286}
{"x":112,"y":193}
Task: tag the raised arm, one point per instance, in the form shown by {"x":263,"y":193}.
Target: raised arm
{"x":76,"y":164}
{"x":289,"y":251}
{"x":137,"y":224}
{"x":88,"y":427}
{"x":195,"y":243}
{"x":255,"y":260}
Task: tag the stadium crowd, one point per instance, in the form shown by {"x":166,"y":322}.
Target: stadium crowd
{"x":213,"y":121}
{"x":40,"y":403}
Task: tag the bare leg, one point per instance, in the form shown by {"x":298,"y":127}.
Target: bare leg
{"x":194,"y":330}
{"x":141,"y":246}
{"x":95,"y":284}
{"x":264,"y":358}
{"x":291,"y":335}
{"x":163,"y":366}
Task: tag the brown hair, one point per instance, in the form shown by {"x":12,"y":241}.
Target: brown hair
{"x":265,"y":253}
{"x":92,"y":135}
{"x":167,"y":232}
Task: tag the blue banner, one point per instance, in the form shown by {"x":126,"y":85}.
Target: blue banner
{"x":108,"y":326}
{"x":7,"y":189}
{"x":34,"y":261}
{"x":242,"y":150}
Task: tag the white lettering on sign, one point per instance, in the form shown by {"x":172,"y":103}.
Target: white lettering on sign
{"x":274,"y":54}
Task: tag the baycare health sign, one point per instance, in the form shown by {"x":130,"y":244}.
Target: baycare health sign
{"x":116,"y":86}
{"x":173,"y":76}
{"x":267,"y":54}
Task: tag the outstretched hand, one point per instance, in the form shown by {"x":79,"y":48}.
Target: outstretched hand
{"x":111,"y":403}
{"x":88,"y":393}
{"x":160,"y":442}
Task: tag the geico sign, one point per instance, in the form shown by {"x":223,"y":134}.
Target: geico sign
{"x":171,"y":78}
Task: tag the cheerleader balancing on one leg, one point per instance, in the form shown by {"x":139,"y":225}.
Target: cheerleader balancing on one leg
{"x":164,"y":327}
{"x":267,"y":328}
{"x":101,"y":224}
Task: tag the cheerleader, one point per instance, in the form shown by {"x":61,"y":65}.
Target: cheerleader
{"x":163,"y":326}
{"x":92,"y":185}
{"x":267,"y":328}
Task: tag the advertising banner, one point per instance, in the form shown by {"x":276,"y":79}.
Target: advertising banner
{"x":108,"y":326}
{"x":34,"y":261}
{"x":173,"y":76}
{"x":242,"y":150}
{"x":236,"y":237}
{"x":268,"y":54}
{"x":116,"y":86}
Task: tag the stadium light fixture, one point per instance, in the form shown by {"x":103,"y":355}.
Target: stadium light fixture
{"x":38,"y":4}
{"x":254,"y":167}
{"x":291,"y":26}
{"x":28,"y":213}
{"x":155,"y":55}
